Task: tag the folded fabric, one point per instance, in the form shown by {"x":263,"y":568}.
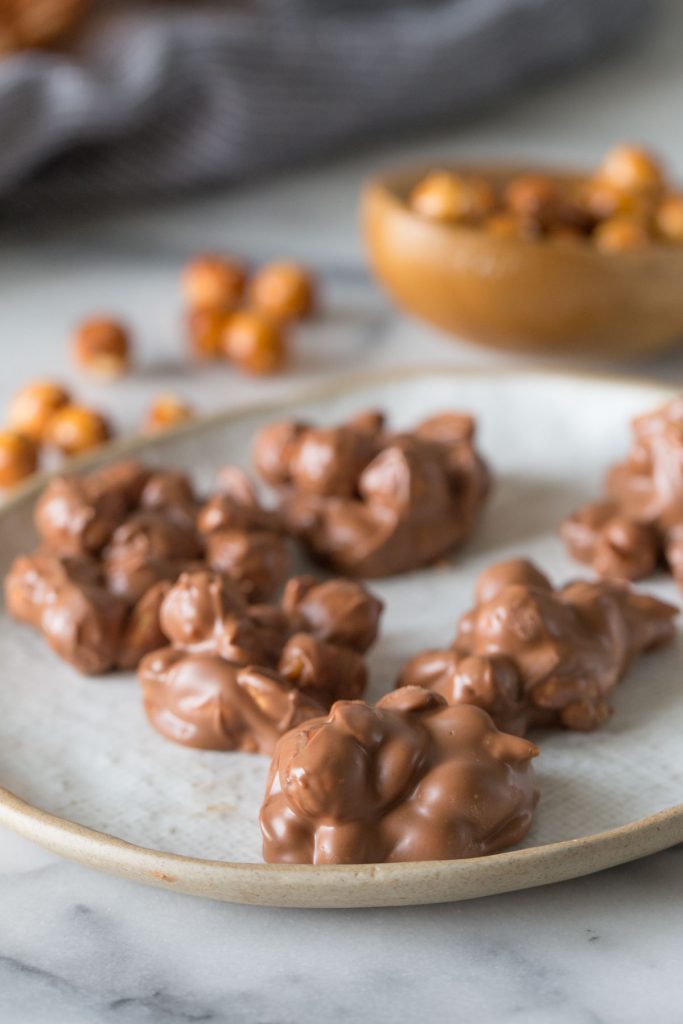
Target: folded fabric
{"x":157,"y":96}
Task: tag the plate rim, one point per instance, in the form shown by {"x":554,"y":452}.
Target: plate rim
{"x":352,"y":885}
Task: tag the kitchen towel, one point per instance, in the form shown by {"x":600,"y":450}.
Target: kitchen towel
{"x":152,"y":97}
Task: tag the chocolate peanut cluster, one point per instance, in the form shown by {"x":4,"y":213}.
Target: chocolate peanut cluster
{"x":373,"y":503}
{"x":409,"y":779}
{"x":533,"y":655}
{"x":113,"y":542}
{"x":236,"y":676}
{"x":241,"y":539}
{"x":638,"y":524}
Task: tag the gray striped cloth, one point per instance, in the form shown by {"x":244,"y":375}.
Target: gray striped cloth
{"x":157,"y":96}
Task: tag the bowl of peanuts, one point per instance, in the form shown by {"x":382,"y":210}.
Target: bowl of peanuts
{"x":534,"y":259}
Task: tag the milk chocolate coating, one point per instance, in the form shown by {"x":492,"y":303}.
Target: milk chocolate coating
{"x":145,"y":549}
{"x":236,"y":676}
{"x":326,"y":672}
{"x":600,"y":535}
{"x":371,"y":503}
{"x":114,"y":540}
{"x":111,"y":540}
{"x":492,"y":683}
{"x":500,"y":575}
{"x":142,"y":632}
{"x":243,"y":540}
{"x":205,"y":701}
{"x":409,"y":779}
{"x":236,"y":506}
{"x":532,"y":655}
{"x":336,"y":611}
{"x":273,"y":449}
{"x":205,"y":612}
{"x":128,"y":478}
{"x":74,"y":519}
{"x":639,"y":521}
{"x":67,"y":600}
{"x":329,"y":462}
{"x":171,"y":494}
{"x":257,"y":559}
{"x":79,"y":515}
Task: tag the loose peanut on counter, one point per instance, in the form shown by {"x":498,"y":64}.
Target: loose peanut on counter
{"x":166,"y":411}
{"x":283,"y":290}
{"x":254,"y":342}
{"x":18,"y":457}
{"x":74,"y":429}
{"x":214,"y":282}
{"x":34,"y":405}
{"x":445,"y":196}
{"x":102,"y":346}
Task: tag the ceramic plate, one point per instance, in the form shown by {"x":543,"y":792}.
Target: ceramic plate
{"x":85,"y":776}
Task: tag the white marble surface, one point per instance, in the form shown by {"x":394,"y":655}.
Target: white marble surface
{"x":76,"y":946}
{"x":79,"y":948}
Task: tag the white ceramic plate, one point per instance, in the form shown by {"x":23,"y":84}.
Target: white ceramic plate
{"x":86,"y":776}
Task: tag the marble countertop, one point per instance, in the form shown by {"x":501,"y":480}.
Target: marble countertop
{"x":76,"y":946}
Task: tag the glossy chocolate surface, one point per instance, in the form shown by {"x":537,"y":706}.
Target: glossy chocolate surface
{"x":409,"y":779}
{"x":203,"y":700}
{"x":373,"y":503}
{"x":533,"y":655}
{"x":639,"y":521}
{"x":335,"y":611}
{"x":235,"y":676}
{"x":66,"y":598}
{"x":112,"y":543}
{"x":243,"y":540}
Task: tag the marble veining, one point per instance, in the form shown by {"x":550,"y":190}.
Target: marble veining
{"x":79,"y":947}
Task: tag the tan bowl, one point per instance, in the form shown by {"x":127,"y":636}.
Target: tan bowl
{"x":548,"y":296}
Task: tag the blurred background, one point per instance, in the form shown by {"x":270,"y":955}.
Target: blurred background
{"x":154,"y":97}
{"x":137,"y":135}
